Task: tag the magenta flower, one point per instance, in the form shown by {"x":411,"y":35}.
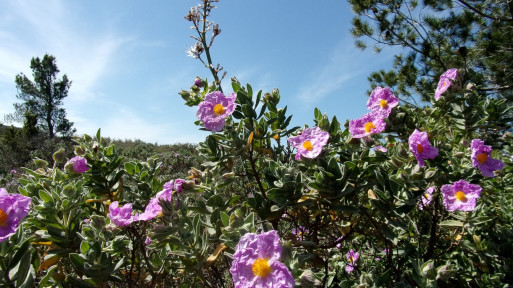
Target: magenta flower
{"x":368,"y":124}
{"x":256,"y":262}
{"x":153,"y":209}
{"x":13,"y":208}
{"x":147,"y":241}
{"x":382,"y":100}
{"x":178,"y":186}
{"x":14,"y":171}
{"x":122,"y":217}
{"x":482,"y":160}
{"x":380,"y":149}
{"x":299,"y":232}
{"x":445,"y":82}
{"x":420,"y":147}
{"x":309,"y":144}
{"x":214,"y":109}
{"x":79,"y":164}
{"x":461,"y":196}
{"x":426,"y":198}
{"x":352,"y":257}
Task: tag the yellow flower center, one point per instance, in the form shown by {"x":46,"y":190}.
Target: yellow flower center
{"x":481,"y":157}
{"x":444,"y":83}
{"x":461,"y":196}
{"x":383,"y":103}
{"x":261,"y":268}
{"x":369,"y":126}
{"x":218,"y":109}
{"x":420,"y":149}
{"x":276,"y":137}
{"x":351,"y":260}
{"x":308,"y":145}
{"x":427,"y":196}
{"x":3,"y":218}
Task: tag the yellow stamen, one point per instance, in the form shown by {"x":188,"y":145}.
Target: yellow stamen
{"x":427,"y":196}
{"x":481,"y":158}
{"x":369,"y":126}
{"x":218,"y":109}
{"x":261,"y":268}
{"x":308,"y":145}
{"x":3,"y":218}
{"x":461,"y":196}
{"x":420,"y":149}
{"x":383,"y":103}
{"x":351,"y":260}
{"x":276,"y":137}
{"x":444,"y":83}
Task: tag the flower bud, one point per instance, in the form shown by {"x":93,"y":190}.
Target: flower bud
{"x":189,"y":185}
{"x":59,"y":156}
{"x":471,"y":86}
{"x":198,"y":82}
{"x":307,"y":279}
{"x":40,"y":163}
{"x":79,"y":150}
{"x":185,"y":94}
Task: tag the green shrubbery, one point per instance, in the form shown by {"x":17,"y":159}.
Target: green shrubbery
{"x":405,"y":196}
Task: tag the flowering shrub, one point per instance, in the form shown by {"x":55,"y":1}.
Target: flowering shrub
{"x":362,"y":207}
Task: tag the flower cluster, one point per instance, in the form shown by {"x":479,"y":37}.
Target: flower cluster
{"x":381,"y":102}
{"x":13,"y":208}
{"x":309,"y":144}
{"x":122,"y":216}
{"x":256,"y":262}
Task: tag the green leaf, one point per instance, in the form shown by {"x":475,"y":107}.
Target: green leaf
{"x":24,"y":275}
{"x":225,"y":219}
{"x":215,"y":201}
{"x":452,"y":223}
{"x":45,"y":196}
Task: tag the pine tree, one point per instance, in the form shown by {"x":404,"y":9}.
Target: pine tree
{"x":43,"y":97}
{"x":473,"y":35}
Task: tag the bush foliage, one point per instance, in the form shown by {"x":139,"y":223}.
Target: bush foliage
{"x":355,"y":215}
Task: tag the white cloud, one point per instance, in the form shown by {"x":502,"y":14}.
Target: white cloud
{"x":343,"y":65}
{"x":123,"y":121}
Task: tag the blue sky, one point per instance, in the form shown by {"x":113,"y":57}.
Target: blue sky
{"x":127,"y":60}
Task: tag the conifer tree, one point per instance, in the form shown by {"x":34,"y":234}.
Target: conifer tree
{"x":43,"y":97}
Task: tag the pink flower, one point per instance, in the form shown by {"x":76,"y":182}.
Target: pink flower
{"x":309,"y":144}
{"x":352,"y":257}
{"x":256,"y":262}
{"x":368,"y":124}
{"x":79,"y":164}
{"x":153,"y":209}
{"x":299,"y":232}
{"x":382,"y":100}
{"x":122,"y":217}
{"x":147,"y":241}
{"x":214,"y":109}
{"x":481,"y":158}
{"x":426,"y":198}
{"x":420,"y":147}
{"x":13,"y":208}
{"x":445,"y":82}
{"x":460,"y":196}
